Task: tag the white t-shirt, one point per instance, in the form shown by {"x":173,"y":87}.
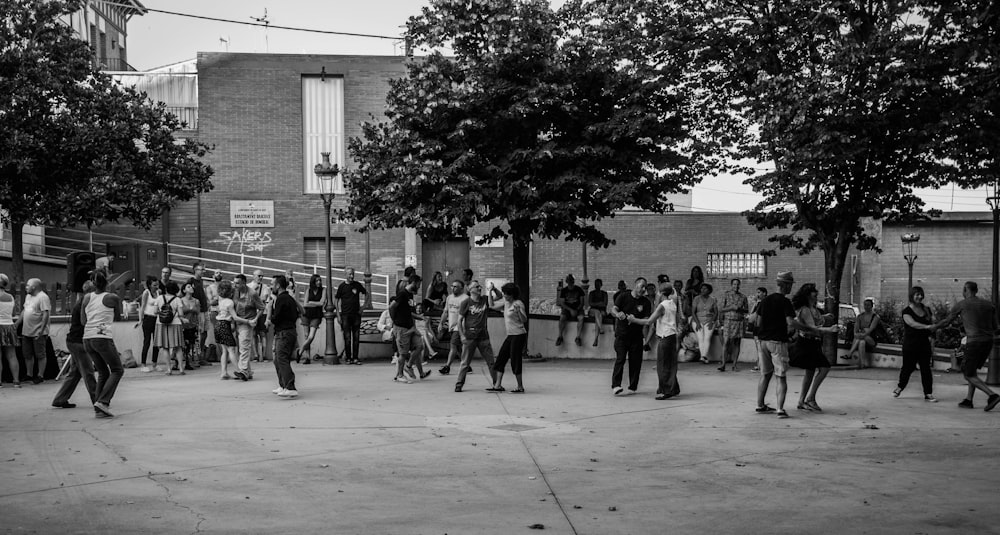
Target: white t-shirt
{"x":227,"y":309}
{"x":34,"y":308}
{"x":452,"y":304}
{"x":666,"y":324}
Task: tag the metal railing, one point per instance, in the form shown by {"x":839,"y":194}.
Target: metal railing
{"x":181,"y":257}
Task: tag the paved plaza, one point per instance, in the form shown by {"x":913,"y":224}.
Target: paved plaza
{"x":357,"y":453}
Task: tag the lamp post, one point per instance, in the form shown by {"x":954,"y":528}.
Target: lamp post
{"x":368,"y":268}
{"x":993,"y":199}
{"x":910,"y":241}
{"x":326,"y":173}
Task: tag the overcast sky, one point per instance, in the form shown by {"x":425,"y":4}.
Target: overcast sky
{"x":156,"y":39}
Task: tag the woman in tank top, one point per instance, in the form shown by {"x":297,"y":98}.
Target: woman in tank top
{"x":148,"y":321}
{"x":315,"y":300}
{"x":8,"y":333}
{"x":97,"y":316}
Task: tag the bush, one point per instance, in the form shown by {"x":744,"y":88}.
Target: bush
{"x":889,"y":310}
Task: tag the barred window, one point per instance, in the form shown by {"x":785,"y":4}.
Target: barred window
{"x":735,"y":265}
{"x":315,"y":250}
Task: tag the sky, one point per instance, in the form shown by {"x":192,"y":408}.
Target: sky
{"x":157,"y":39}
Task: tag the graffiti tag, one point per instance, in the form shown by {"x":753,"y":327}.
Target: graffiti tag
{"x":244,"y":240}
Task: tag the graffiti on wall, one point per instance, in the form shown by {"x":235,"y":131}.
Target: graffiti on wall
{"x":244,"y":240}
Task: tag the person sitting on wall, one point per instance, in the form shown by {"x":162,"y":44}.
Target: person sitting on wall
{"x":571,"y":300}
{"x":598,"y":308}
{"x":865,"y":326}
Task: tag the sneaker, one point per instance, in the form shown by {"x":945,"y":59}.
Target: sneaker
{"x":103,"y":408}
{"x":17,"y":385}
{"x":425,"y":374}
{"x":965,"y":404}
{"x":37,"y":381}
{"x":458,"y":388}
{"x":782,"y":414}
{"x":224,"y":377}
{"x":617,"y":391}
{"x":277,"y":390}
{"x":402,"y":379}
{"x":992,"y":402}
{"x":929,"y":398}
{"x":101,"y":415}
{"x":896,"y":392}
{"x":145,"y":369}
{"x":445,"y":370}
{"x":629,"y":392}
{"x":764,"y":409}
{"x":356,"y":362}
{"x":395,"y":359}
{"x":240,"y":376}
{"x":288,"y":394}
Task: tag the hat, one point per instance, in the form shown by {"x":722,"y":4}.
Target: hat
{"x":785,"y":276}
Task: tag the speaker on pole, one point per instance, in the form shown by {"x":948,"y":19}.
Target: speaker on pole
{"x":79,"y":265}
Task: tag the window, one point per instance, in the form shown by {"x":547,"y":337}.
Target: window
{"x":315,"y":250}
{"x":735,"y":265}
{"x":322,"y":128}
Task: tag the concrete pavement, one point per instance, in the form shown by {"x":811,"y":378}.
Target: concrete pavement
{"x":357,"y":453}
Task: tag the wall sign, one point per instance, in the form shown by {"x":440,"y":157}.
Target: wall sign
{"x":251,"y":214}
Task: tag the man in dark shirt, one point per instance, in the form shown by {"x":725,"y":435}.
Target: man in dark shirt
{"x":284,"y":315}
{"x":348,"y":304}
{"x":775,"y":316}
{"x":473,"y":315}
{"x":979,"y":320}
{"x":628,"y":336}
{"x":571,"y":300}
{"x":404,"y":328}
{"x":199,"y":293}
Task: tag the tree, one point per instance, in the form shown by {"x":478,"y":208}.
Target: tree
{"x":75,"y":147}
{"x":851,"y":103}
{"x":541,"y":123}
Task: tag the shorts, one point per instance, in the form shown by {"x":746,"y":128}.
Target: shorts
{"x":773,"y":358}
{"x":407,"y":340}
{"x":456,"y":342}
{"x":570,"y":314}
{"x":976,"y":353}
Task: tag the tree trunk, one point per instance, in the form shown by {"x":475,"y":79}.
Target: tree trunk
{"x":17,"y":252}
{"x":834,"y":261}
{"x":522,"y":267}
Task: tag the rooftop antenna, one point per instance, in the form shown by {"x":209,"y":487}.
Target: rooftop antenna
{"x":266,"y":22}
{"x":225,"y":42}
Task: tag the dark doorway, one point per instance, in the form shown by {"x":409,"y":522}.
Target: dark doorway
{"x":449,"y":257}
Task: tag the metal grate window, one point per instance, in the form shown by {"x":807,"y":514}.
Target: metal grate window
{"x":735,"y":265}
{"x":315,"y":250}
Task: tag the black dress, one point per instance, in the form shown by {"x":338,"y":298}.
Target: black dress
{"x":917,"y":351}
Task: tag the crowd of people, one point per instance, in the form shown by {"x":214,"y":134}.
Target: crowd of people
{"x":264,"y":320}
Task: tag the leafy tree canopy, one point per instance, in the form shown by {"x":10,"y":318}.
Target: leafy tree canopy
{"x":543,"y":121}
{"x":75,"y":147}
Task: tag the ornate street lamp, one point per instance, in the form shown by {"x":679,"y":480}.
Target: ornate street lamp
{"x":910,"y":240}
{"x":326,"y":173}
{"x":993,"y":199}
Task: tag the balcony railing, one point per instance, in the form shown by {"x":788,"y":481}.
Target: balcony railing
{"x":113,"y":64}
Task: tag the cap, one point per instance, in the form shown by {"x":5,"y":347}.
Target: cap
{"x":785,"y":276}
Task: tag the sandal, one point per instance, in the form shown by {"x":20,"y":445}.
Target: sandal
{"x":578,"y":341}
{"x":517,"y":391}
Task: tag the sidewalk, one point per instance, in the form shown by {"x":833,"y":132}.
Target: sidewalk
{"x":357,"y":453}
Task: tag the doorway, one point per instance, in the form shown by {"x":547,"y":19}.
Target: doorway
{"x":449,"y":257}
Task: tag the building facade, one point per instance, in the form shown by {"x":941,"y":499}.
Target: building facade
{"x":104,"y":25}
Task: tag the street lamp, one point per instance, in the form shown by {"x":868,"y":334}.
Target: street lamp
{"x":326,"y":173}
{"x":368,"y":268}
{"x":910,"y":240}
{"x":993,"y":199}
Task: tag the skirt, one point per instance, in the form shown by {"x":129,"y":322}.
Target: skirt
{"x":8,"y":336}
{"x":733,"y":328}
{"x":168,"y":336}
{"x":224,"y":334}
{"x":807,"y":353}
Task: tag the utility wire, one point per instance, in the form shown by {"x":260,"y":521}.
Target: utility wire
{"x":262,"y":25}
